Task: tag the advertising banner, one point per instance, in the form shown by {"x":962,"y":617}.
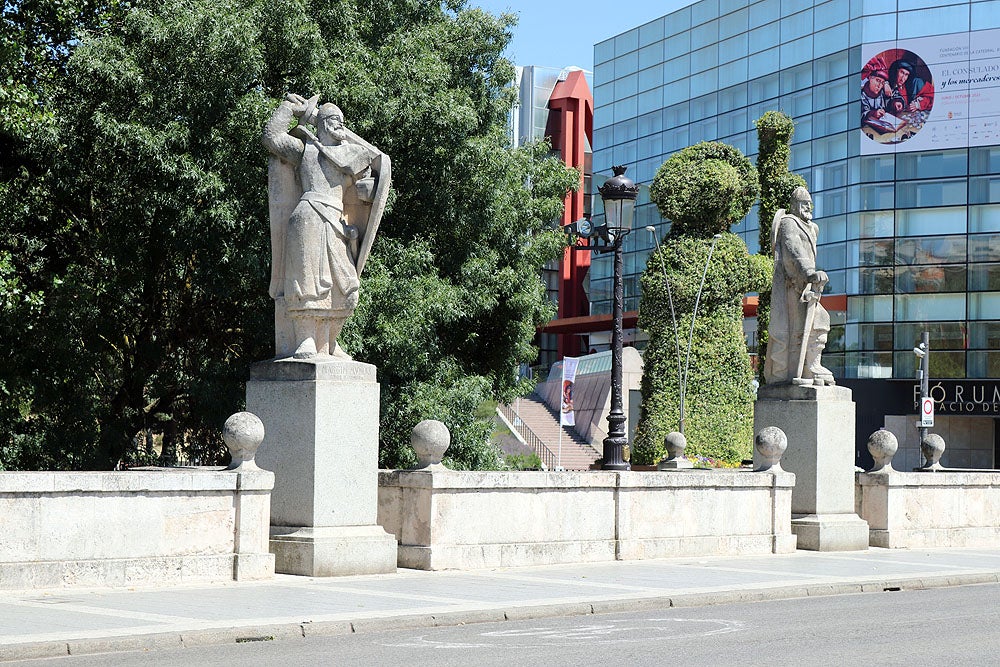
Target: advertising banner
{"x":566,"y":416}
{"x":930,"y":93}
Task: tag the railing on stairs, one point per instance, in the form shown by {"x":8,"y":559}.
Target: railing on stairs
{"x":547,"y":456}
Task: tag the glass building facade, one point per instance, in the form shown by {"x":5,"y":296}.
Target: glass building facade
{"x":909,"y":221}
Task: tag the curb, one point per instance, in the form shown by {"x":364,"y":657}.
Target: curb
{"x":254,"y":633}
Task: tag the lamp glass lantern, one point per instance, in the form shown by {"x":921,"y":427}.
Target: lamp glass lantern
{"x":619,"y":194}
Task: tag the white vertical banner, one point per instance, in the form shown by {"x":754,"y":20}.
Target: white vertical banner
{"x":566,"y":416}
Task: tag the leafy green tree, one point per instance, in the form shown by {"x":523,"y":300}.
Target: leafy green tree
{"x":137,"y":235}
{"x":702,"y":190}
{"x":774,"y":139}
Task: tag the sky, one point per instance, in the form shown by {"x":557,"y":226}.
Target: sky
{"x":584,"y":23}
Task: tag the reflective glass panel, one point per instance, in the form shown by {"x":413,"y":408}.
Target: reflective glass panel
{"x":984,"y":248}
{"x":937,"y":164}
{"x":931,"y":278}
{"x":926,"y":221}
{"x":984,"y":277}
{"x":984,"y":306}
{"x":930,"y":250}
{"x":984,"y":335}
{"x":930,"y":307}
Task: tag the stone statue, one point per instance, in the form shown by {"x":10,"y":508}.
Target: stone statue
{"x":799,"y":323}
{"x":327,"y":191}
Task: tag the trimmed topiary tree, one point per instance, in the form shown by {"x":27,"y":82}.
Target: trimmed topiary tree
{"x":703,"y":190}
{"x":774,"y":139}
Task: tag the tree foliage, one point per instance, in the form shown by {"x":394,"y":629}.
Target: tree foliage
{"x":774,"y":140}
{"x":719,"y":383}
{"x":135,"y":253}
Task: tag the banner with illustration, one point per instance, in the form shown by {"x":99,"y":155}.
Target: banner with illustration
{"x":566,"y":415}
{"x":930,"y":93}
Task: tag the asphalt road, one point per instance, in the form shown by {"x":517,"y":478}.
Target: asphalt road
{"x":945,"y":626}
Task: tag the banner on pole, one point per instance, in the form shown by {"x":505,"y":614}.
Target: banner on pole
{"x":566,"y":416}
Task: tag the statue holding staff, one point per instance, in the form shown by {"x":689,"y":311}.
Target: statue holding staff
{"x":799,"y":324}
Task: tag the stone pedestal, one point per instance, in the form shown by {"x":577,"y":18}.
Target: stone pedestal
{"x":819,"y":423}
{"x":321,"y":440}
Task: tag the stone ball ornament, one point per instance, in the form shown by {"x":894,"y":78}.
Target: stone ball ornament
{"x":882,"y":445}
{"x":932,"y":447}
{"x":771,"y":443}
{"x":243,"y":432}
{"x":430,"y":440}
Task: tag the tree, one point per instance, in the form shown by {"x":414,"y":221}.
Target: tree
{"x":774,"y":139}
{"x":138,"y":233}
{"x":702,"y":190}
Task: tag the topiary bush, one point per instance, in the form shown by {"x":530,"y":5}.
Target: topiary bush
{"x":719,"y":395}
{"x":774,"y":139}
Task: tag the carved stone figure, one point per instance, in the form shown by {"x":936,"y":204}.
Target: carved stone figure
{"x":799,"y":323}
{"x":327,"y":190}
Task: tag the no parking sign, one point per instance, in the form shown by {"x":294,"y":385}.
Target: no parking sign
{"x":927,"y":411}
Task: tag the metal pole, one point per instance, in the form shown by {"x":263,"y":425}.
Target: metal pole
{"x":673,"y":319}
{"x":694,"y":316}
{"x":616,"y":441}
{"x":925,"y":367}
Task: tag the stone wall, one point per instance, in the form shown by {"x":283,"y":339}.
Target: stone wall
{"x":930,"y":509}
{"x":150,"y":526}
{"x":970,"y":441}
{"x":462,"y":520}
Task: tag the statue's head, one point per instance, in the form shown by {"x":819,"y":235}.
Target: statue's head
{"x":330,"y":121}
{"x":801,"y":204}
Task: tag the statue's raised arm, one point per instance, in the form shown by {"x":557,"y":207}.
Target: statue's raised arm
{"x":327,"y":190}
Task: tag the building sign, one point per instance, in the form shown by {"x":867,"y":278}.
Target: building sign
{"x":961,"y":397}
{"x":930,"y":93}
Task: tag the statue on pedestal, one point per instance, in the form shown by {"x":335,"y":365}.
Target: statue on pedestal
{"x":799,"y":323}
{"x":327,"y":190}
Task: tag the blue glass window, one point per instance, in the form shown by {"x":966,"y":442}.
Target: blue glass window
{"x":831,"y":39}
{"x":796,"y":78}
{"x":677,"y":46}
{"x":705,"y":34}
{"x":986,"y":15}
{"x":831,"y":13}
{"x":931,"y":164}
{"x":765,"y":37}
{"x":764,"y":88}
{"x":764,"y":12}
{"x":651,"y":78}
{"x":651,"y":55}
{"x":936,"y":21}
{"x":797,"y":25}
{"x":627,"y":41}
{"x":733,"y":48}
{"x":735,"y":23}
{"x":651,"y":32}
{"x":928,"y":221}
{"x":910,"y":194}
{"x":627,"y":64}
{"x":733,"y":73}
{"x":765,"y":62}
{"x":930,"y":307}
{"x":604,"y":51}
{"x":733,"y":98}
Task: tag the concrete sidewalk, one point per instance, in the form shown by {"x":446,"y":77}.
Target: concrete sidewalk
{"x":51,"y":623}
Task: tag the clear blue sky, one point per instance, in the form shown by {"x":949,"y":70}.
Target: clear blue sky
{"x":584,"y":23}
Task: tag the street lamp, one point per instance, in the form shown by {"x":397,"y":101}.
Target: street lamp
{"x":619,"y":193}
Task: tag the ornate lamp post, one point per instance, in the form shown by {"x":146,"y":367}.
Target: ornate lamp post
{"x":619,"y":193}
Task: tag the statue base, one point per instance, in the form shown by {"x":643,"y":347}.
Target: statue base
{"x":333,"y":551}
{"x":320,"y":420}
{"x":819,"y":422}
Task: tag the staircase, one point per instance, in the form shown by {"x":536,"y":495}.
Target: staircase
{"x":540,"y":428}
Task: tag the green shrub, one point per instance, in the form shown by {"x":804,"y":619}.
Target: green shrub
{"x":703,"y":190}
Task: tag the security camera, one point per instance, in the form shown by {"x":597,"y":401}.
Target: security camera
{"x":920,"y":351}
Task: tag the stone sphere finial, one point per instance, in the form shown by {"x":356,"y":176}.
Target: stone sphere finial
{"x":243,"y":433}
{"x":932,"y":447}
{"x":882,"y":445}
{"x":430,"y":440}
{"x":771,"y":443}
{"x":675,"y":443}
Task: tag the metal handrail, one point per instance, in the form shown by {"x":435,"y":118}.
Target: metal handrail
{"x":547,"y":456}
